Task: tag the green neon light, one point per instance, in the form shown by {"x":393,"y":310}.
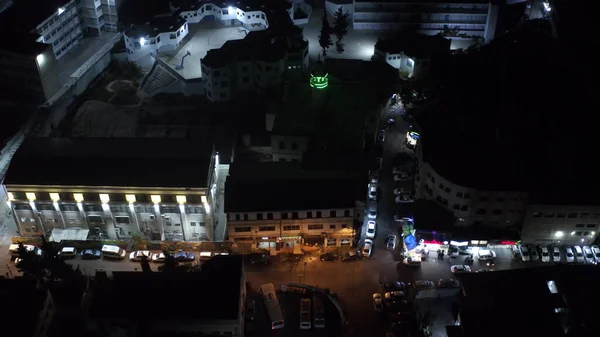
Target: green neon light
{"x":319,"y":82}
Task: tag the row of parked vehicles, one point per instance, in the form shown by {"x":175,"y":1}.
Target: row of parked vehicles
{"x":557,"y":254}
{"x":115,"y":253}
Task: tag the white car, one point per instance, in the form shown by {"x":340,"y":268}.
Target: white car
{"x":460,"y":268}
{"x":372,"y":211}
{"x":409,"y":261}
{"x":545,"y":254}
{"x":596,"y":252}
{"x":486,"y":254}
{"x":390,"y":242}
{"x":524,"y":253}
{"x":555,"y":254}
{"x":398,"y":218}
{"x":404,"y":198}
{"x":535,"y":256}
{"x":368,"y":248}
{"x":139,"y":254}
{"x":371,"y":227}
{"x":402,"y":176}
{"x":588,"y":255}
{"x":579,"y":254}
{"x":377,"y":302}
{"x":158,"y":257}
{"x":381,"y":136}
{"x":399,"y":191}
{"x":569,"y":256}
{"x":373,"y":192}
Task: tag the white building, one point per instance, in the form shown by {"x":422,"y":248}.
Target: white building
{"x":411,"y":54}
{"x":162,"y":33}
{"x":470,"y":19}
{"x":561,"y":224}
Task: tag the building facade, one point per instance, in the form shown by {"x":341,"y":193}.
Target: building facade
{"x":163,"y":33}
{"x":467,"y":19}
{"x":177,"y":206}
{"x":561,"y":224}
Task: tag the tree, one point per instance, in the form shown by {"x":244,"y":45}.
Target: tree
{"x":340,"y":28}
{"x":325,"y":35}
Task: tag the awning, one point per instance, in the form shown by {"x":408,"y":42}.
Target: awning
{"x":69,"y":234}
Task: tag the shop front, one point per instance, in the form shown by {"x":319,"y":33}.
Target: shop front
{"x":289,"y":241}
{"x":339,"y":240}
{"x":266,"y":242}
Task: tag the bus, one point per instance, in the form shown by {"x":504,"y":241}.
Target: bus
{"x":305,"y":314}
{"x":272,"y":304}
{"x":319,"y":313}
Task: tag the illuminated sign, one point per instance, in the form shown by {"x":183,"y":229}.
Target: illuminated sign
{"x":319,"y":82}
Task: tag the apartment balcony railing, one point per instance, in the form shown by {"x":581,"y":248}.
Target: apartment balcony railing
{"x":413,"y":21}
{"x":427,"y":10}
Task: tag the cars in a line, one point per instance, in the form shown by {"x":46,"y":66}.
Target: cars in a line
{"x":350,"y":256}
{"x":555,"y":254}
{"x":411,"y":262}
{"x":596,"y":252}
{"x":91,"y":254}
{"x":588,"y":255}
{"x":578,"y":254}
{"x":328,"y":257}
{"x":525,"y":256}
{"x":67,"y":253}
{"x":250,"y":310}
{"x":368,"y":248}
{"x":381,"y":136}
{"x":545,"y":253}
{"x":372,"y":211}
{"x":402,"y":190}
{"x":372,"y":192}
{"x":113,"y":252}
{"x":394,"y":296}
{"x":394,"y":286}
{"x":423,"y":285}
{"x":390,"y":242}
{"x":569,"y":256}
{"x":400,"y":217}
{"x":448,"y":283}
{"x":402,"y":176}
{"x":404,"y":198}
{"x":14,"y":249}
{"x":485,"y":254}
{"x":460,"y":268}
{"x":535,"y":255}
{"x":184,"y":257}
{"x":374,"y":176}
{"x":159,"y":257}
{"x":138,"y":255}
{"x":377,"y":302}
{"x":371,"y":228}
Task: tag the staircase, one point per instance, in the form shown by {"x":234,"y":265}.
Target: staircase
{"x":157,"y":78}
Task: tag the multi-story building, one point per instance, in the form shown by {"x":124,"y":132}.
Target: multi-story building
{"x":162,"y":33}
{"x":463,"y":19}
{"x":221,"y":282}
{"x":411,"y":53}
{"x":255,"y":63}
{"x":561,"y":224}
{"x":261,"y":210}
{"x":163,"y":189}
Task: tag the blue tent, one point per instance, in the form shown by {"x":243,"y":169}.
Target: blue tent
{"x":411,"y":242}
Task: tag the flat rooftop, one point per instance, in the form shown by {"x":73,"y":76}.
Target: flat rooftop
{"x":135,"y":162}
{"x":216,"y":290}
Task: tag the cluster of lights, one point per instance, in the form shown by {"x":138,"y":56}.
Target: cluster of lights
{"x":319,"y":82}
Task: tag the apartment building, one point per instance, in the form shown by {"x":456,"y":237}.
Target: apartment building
{"x":257,"y":62}
{"x":411,"y":53}
{"x":162,"y":33}
{"x":466,"y":19}
{"x":97,"y":188}
{"x":561,"y":224}
{"x":284,"y":205}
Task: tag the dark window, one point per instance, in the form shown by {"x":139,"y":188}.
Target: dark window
{"x":578,"y":233}
{"x":459,"y":194}
{"x":497,"y":212}
{"x":294,"y":215}
{"x":291,"y":228}
{"x":591,"y":225}
{"x":579,"y":225}
{"x":332,"y":214}
{"x":269,"y":216}
{"x":331,"y":226}
{"x":344,"y":226}
{"x":294,"y":146}
{"x":456,"y":206}
{"x":480,"y":211}
{"x":309,"y":215}
{"x":584,"y":215}
{"x":483,"y":198}
{"x":464,"y":208}
{"x":500,"y":199}
{"x":537,"y":214}
{"x":319,"y":214}
{"x":217,"y":73}
{"x":281,"y":145}
{"x":466,"y":196}
{"x":266,"y":228}
{"x":259,"y":216}
{"x":245,"y":79}
{"x":223,"y":95}
{"x":246,"y":216}
{"x":315,"y":226}
{"x":284,"y":215}
{"x":224,"y":84}
{"x":347,"y":213}
{"x":438,"y":198}
{"x":549,"y":215}
{"x":441,"y":186}
{"x":572,"y":215}
{"x":241,"y":229}
{"x":559,"y":215}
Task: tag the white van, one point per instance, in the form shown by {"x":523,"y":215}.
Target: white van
{"x":113,"y":252}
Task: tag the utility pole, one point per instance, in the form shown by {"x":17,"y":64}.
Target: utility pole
{"x":304,"y":272}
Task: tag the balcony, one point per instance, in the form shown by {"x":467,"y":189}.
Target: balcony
{"x":419,"y":21}
{"x":425,"y":10}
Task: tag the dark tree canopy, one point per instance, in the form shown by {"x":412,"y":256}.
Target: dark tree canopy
{"x":325,"y":35}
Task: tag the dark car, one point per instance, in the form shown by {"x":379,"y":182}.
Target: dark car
{"x":328,"y":257}
{"x":351,"y":256}
{"x":258,"y":258}
{"x":394,"y":286}
{"x":184,"y":257}
{"x":91,"y":254}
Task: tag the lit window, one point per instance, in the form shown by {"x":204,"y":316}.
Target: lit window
{"x":155,"y":199}
{"x":130,"y":198}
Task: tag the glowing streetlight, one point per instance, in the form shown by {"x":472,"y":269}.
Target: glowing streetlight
{"x":142,"y":41}
{"x":559,"y":234}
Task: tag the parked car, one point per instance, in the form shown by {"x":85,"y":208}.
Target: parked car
{"x":569,"y":256}
{"x":404,"y":198}
{"x":351,"y":256}
{"x":460,"y":268}
{"x":404,"y":167}
{"x":327,"y":257}
{"x":139,"y":254}
{"x":390,"y":242}
{"x":371,"y":228}
{"x":184,"y":257}
{"x":91,"y":254}
{"x":372,"y":211}
{"x":394,"y":296}
{"x":588,"y":255}
{"x":596,"y":252}
{"x":525,"y":256}
{"x":372,"y":192}
{"x":381,"y":136}
{"x":377,"y":302}
{"x":448,"y":283}
{"x":67,"y":253}
{"x":400,"y":190}
{"x":411,"y":262}
{"x":367,"y":249}
{"x":394,"y":286}
{"x":159,"y":257}
{"x":555,"y":254}
{"x":535,"y":255}
{"x":402,"y":176}
{"x":578,"y":254}
{"x":545,"y":253}
{"x":250,"y":310}
{"x":374,"y":176}
{"x":486,"y":254}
